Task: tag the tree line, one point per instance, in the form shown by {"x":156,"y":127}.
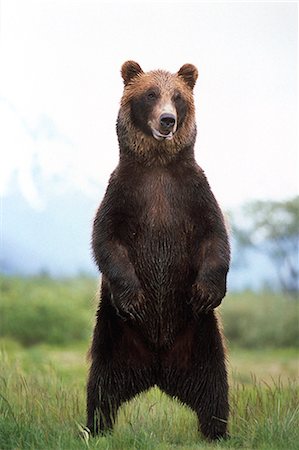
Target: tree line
{"x":271,"y":227}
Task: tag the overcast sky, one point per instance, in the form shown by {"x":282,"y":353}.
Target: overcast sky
{"x":61,"y":87}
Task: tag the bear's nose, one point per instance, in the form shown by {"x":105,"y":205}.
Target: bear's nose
{"x":167,"y":121}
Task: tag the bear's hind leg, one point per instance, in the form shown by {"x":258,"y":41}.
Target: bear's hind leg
{"x":107,"y":389}
{"x":213,"y":408}
{"x":121,"y":368}
{"x":101,"y":405}
{"x":194,"y":371}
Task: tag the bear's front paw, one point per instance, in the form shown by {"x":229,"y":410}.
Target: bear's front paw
{"x":132,"y":306}
{"x":129,"y":305}
{"x":206,"y":296}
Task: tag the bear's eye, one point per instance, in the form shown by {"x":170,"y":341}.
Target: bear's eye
{"x":151,"y":95}
{"x":177,"y":96}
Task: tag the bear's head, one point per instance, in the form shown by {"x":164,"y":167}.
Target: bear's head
{"x":157,"y":114}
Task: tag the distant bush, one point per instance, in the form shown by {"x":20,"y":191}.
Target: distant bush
{"x":41,"y":310}
{"x":261,"y":320}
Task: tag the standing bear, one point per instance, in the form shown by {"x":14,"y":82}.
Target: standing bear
{"x":160,"y":242}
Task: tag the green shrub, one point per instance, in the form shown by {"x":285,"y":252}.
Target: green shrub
{"x":40,"y":310}
{"x":260,"y":320}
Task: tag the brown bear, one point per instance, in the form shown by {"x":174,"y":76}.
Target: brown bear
{"x":160,"y":242}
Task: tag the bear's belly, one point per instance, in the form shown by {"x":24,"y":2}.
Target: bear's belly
{"x":163,"y":262}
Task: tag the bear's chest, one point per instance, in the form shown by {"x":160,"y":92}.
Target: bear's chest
{"x":162,"y":203}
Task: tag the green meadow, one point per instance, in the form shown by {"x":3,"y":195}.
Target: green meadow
{"x":45,"y":329}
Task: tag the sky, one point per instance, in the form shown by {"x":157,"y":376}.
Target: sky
{"x":60,"y":89}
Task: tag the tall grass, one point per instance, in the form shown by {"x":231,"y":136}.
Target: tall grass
{"x":40,"y":409}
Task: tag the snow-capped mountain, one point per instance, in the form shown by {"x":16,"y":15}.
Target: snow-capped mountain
{"x":47,"y":201}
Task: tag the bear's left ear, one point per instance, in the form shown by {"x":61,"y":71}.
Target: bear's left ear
{"x":129,"y":70}
{"x":189,"y":73}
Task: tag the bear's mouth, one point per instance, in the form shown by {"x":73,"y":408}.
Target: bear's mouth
{"x":160,"y":136}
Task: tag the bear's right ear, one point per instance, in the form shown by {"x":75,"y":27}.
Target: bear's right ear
{"x":129,"y":70}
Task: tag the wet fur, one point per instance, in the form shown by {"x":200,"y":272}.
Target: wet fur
{"x":160,"y":242}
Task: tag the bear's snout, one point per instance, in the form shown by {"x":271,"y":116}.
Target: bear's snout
{"x":164,"y":125}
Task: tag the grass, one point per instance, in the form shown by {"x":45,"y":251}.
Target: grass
{"x":42,"y":405}
{"x":45,"y":327}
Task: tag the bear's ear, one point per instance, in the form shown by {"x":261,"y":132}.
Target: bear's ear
{"x":129,"y":70}
{"x":189,"y":73}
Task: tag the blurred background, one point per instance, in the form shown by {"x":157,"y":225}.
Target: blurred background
{"x":59,"y":98}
